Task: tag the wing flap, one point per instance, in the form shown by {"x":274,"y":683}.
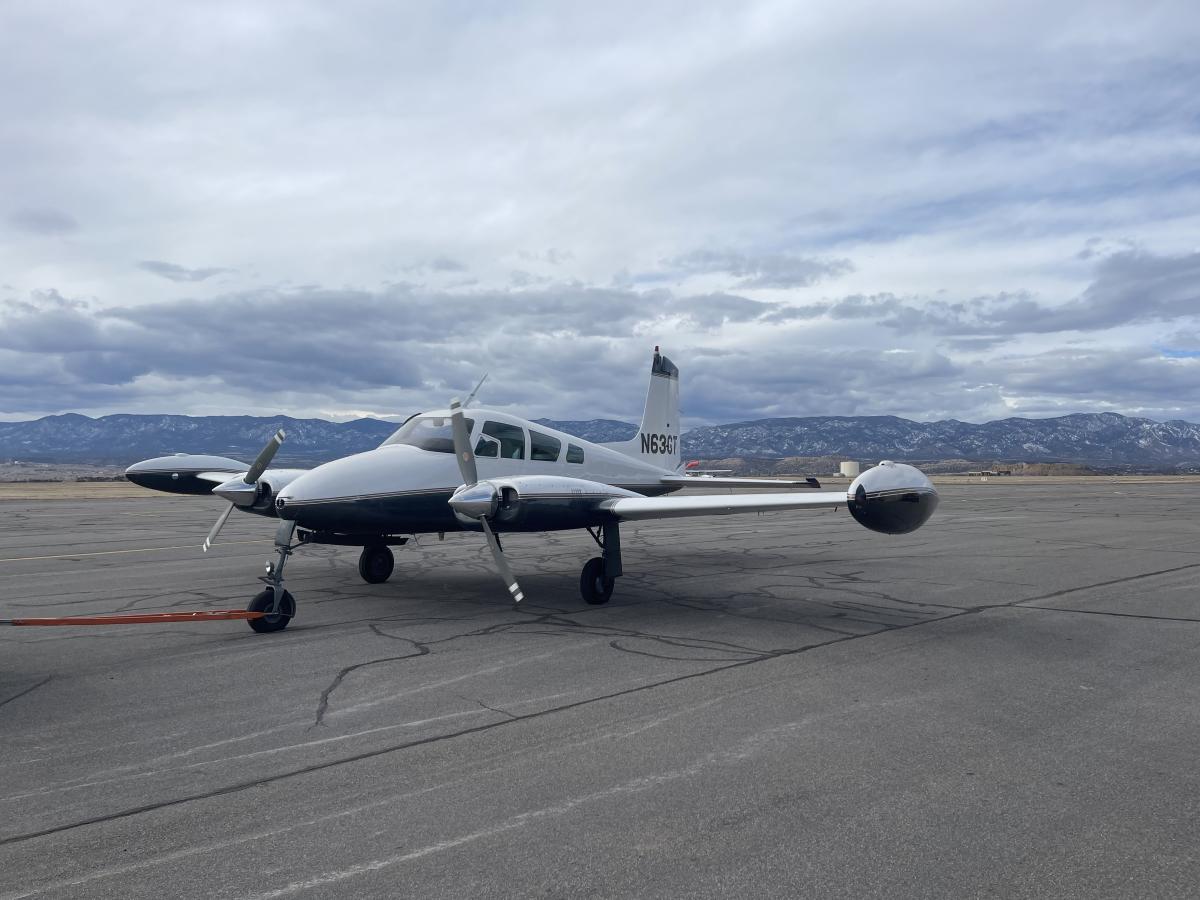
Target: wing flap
{"x":708,"y":481}
{"x":635,"y":508}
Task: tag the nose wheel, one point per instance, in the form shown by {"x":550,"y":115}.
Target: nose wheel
{"x":274,"y":620}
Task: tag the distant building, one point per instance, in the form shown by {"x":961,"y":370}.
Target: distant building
{"x":850,"y":469}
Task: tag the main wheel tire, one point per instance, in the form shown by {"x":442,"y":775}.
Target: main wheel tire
{"x":375,"y":563}
{"x":263,"y":602}
{"x":594,"y":585}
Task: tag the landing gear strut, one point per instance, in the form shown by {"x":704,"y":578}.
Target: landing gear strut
{"x":600,"y":572}
{"x":277,"y":603}
{"x":375,"y":563}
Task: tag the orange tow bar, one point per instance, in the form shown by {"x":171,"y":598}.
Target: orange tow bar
{"x":207,"y":615}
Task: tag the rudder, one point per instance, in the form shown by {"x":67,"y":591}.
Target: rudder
{"x":657,"y":440}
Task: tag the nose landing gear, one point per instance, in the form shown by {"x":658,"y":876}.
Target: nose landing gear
{"x":278,"y":605}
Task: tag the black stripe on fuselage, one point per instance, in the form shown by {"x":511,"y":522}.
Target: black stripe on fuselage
{"x":428,"y":510}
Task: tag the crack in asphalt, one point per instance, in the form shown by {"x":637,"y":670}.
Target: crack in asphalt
{"x":1122,"y":580}
{"x":495,"y":709}
{"x":560,"y":626}
{"x":323,"y":703}
{"x":557,"y":623}
{"x":28,"y":690}
{"x":249,"y":784}
{"x":1103,"y":612}
{"x":238,"y":787}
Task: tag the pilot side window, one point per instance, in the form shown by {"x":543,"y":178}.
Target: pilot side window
{"x":574,"y":454}
{"x":510,"y":437}
{"x":543,"y":448}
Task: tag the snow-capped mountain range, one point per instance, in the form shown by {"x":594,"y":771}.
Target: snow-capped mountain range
{"x":1103,"y":438}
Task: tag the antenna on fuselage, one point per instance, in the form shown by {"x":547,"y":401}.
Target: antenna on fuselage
{"x":471,"y":396}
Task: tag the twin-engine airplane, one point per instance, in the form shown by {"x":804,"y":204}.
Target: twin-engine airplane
{"x":450,"y":470}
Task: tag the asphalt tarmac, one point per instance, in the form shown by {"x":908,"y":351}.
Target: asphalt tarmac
{"x":1005,"y":703}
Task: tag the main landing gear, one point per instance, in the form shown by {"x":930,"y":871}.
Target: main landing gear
{"x":375,"y":563}
{"x":600,"y":573}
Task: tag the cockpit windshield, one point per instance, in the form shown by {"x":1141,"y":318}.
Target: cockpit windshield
{"x":428,"y":433}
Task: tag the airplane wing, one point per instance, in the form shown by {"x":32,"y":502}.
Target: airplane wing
{"x":713,"y":481}
{"x":634,"y":508}
{"x":186,"y":473}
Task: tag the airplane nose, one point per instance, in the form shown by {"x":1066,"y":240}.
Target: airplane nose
{"x":378,"y":490}
{"x":339,"y":483}
{"x":288,"y":502}
{"x":283,"y":510}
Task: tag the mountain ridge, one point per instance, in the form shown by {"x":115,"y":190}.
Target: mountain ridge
{"x":1098,"y":438}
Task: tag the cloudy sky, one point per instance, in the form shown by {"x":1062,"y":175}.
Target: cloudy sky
{"x":928,"y":210}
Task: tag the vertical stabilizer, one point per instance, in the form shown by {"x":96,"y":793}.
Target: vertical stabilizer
{"x":657,"y":440}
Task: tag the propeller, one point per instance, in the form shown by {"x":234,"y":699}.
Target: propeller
{"x":250,"y":479}
{"x":478,"y":501}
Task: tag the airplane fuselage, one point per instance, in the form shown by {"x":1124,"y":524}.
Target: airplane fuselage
{"x":403,"y":487}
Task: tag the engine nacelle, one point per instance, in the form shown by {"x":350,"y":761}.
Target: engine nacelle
{"x":535,"y":502}
{"x":892,"y":498}
{"x":258,"y":497}
{"x":177,"y":474}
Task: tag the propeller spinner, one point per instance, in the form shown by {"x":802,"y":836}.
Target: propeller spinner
{"x":244,"y":491}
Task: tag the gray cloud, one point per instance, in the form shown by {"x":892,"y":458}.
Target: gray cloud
{"x":174,"y":272}
{"x":563,"y":350}
{"x":959,"y":160}
{"x":439,"y":265}
{"x":519,"y":278}
{"x":768,"y":270}
{"x":543,"y":345}
{"x":1128,"y":379}
{"x":1127,"y":288}
{"x":43,"y":221}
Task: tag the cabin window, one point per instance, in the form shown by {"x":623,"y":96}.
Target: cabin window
{"x":511,"y":438}
{"x":543,"y":448}
{"x":428,"y":433}
{"x":574,"y":454}
{"x":487,"y":446}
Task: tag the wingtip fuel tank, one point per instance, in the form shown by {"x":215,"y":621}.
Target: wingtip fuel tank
{"x":892,"y":498}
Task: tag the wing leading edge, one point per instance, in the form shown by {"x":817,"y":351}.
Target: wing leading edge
{"x":634,"y":508}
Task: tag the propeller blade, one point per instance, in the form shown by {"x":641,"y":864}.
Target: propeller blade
{"x":264,"y":458}
{"x":471,"y":396}
{"x":502,"y":564}
{"x":216,"y":529}
{"x":462,"y":444}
